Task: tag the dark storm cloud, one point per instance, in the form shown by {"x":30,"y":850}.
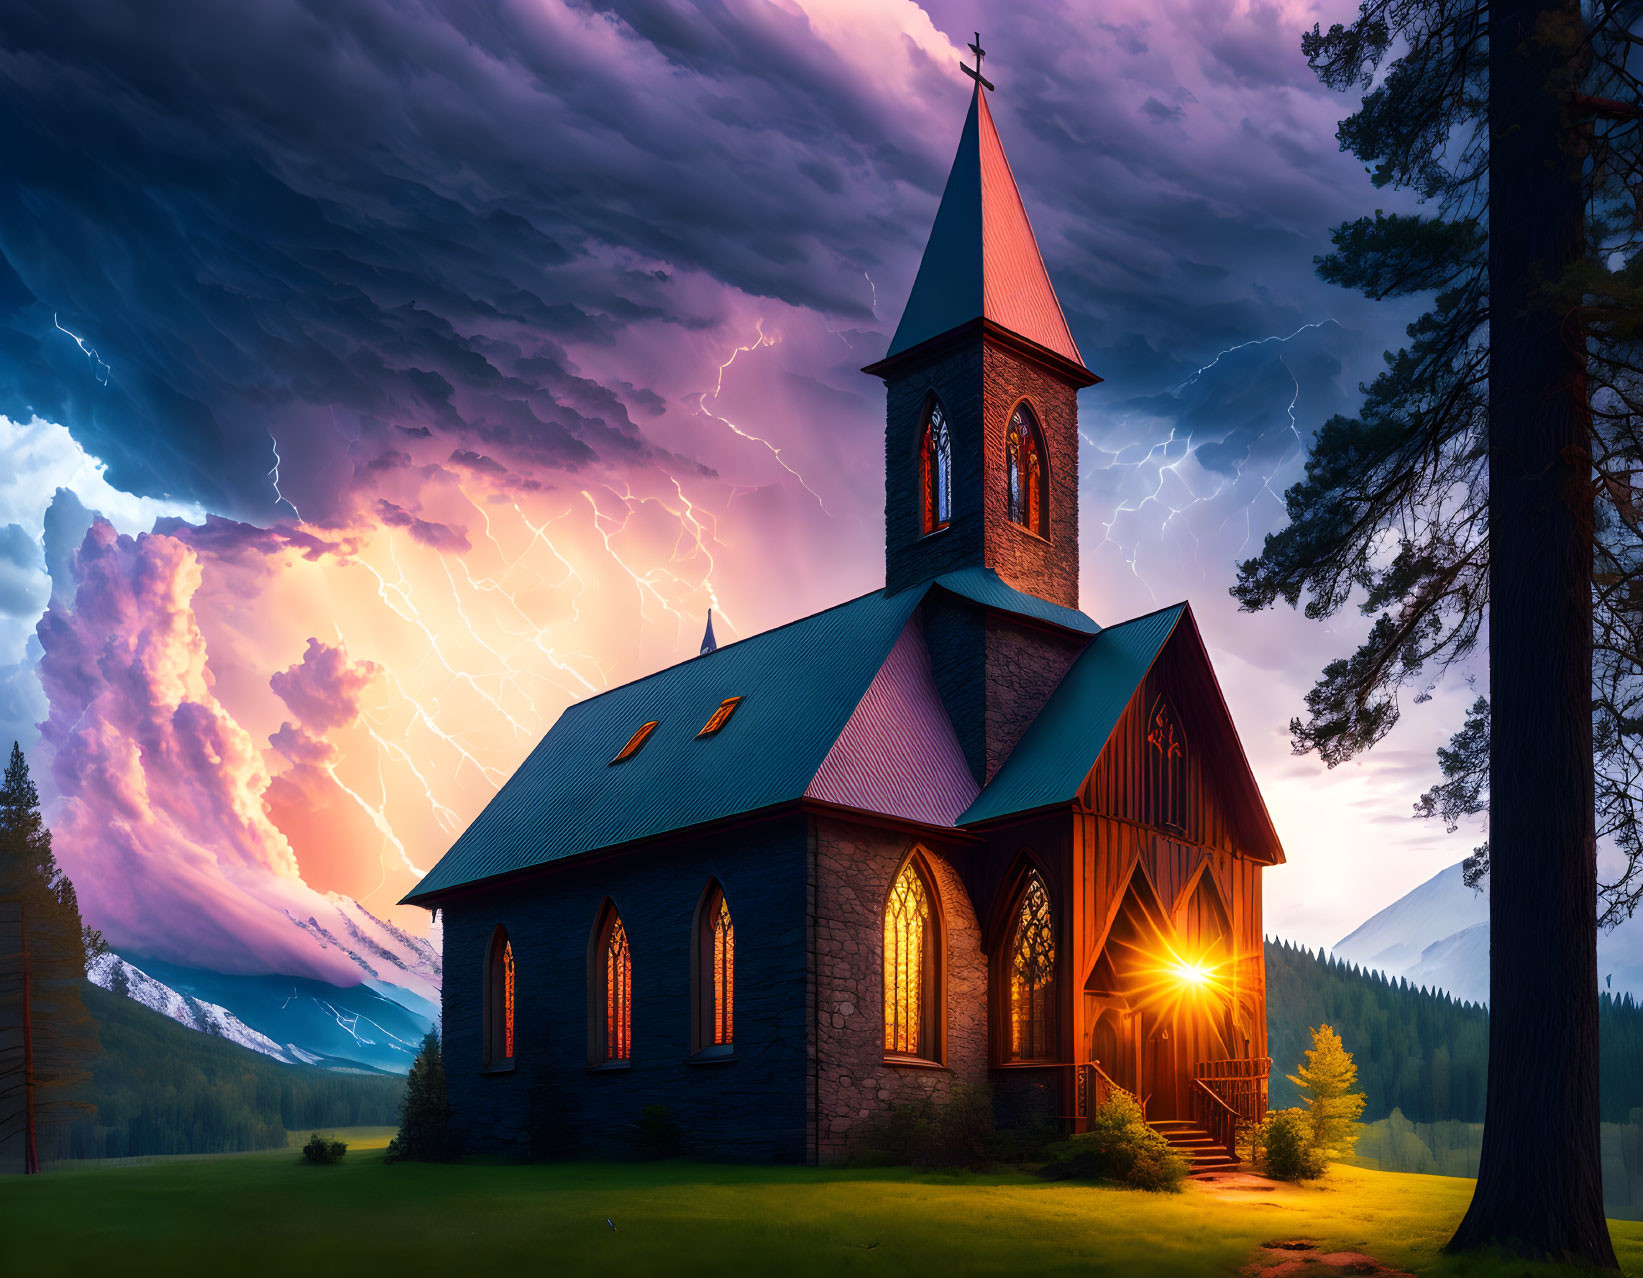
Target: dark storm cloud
{"x":428,"y":532}
{"x":298,"y":227}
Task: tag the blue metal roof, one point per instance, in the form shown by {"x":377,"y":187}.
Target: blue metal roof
{"x":1057,"y":752}
{"x":799,"y":684}
{"x":984,"y":586}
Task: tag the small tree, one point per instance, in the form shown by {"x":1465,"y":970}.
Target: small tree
{"x":1326,"y":1083}
{"x":323,"y":1152}
{"x":49,"y":968}
{"x":1281,"y":1146}
{"x":423,"y":1116}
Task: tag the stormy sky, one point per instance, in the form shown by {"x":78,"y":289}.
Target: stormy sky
{"x":376,"y":378}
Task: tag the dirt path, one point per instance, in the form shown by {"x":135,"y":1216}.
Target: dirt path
{"x":1303,"y":1258}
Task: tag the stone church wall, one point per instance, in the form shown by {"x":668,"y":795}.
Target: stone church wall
{"x":911,"y":556}
{"x":1043,"y":566}
{"x":854,"y":867}
{"x":752,"y":1106}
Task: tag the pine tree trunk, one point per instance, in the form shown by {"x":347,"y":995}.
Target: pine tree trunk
{"x":1539,"y":1190}
{"x":31,"y":1150}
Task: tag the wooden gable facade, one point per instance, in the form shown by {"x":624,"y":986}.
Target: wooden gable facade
{"x":1154,"y":872}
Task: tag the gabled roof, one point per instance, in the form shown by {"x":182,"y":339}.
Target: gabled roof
{"x":982,"y":259}
{"x":799,"y":684}
{"x":796,"y":734}
{"x":899,"y":755}
{"x":1056,"y":753}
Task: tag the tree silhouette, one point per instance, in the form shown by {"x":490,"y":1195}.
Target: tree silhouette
{"x":1490,"y":481}
{"x":48,"y":970}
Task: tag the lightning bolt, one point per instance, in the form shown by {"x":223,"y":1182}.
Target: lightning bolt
{"x":444,"y":815}
{"x":1259,"y":341}
{"x":377,"y":816}
{"x":85,"y":350}
{"x":401,"y":589}
{"x":762,"y":340}
{"x":493,"y":776}
{"x":275,"y":472}
{"x":1169,"y":466}
{"x":349,"y":1022}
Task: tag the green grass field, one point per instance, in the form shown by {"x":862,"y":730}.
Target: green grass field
{"x":269,"y":1213}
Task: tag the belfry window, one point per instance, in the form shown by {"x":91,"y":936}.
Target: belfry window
{"x":715,"y":973}
{"x":936,"y":471}
{"x":1165,"y":788}
{"x":1031,"y":976}
{"x":1024,"y":471}
{"x":912,"y":994}
{"x":499,"y":1001}
{"x":613,"y":992}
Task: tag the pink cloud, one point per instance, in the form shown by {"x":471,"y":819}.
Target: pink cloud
{"x":324,"y":689}
{"x":160,"y":817}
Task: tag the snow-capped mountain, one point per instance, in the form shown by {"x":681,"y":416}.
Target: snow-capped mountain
{"x":113,"y":973}
{"x":381,"y":951}
{"x":1438,"y":936}
{"x":377,"y":1024}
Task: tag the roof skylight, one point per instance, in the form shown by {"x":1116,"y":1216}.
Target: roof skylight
{"x":721,"y":716}
{"x":635,"y":741}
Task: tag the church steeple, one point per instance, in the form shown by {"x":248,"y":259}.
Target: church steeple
{"x":984,"y":349}
{"x":982,"y":261}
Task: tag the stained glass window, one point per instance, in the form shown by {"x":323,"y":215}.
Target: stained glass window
{"x":507,"y":1000}
{"x":936,"y":471}
{"x":499,"y":1000}
{"x":1165,"y":792}
{"x":724,"y":974}
{"x":1032,"y":975}
{"x":908,"y":935}
{"x":1024,"y":469}
{"x":618,"y":991}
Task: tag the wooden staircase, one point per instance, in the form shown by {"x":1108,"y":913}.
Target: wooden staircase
{"x":1203,"y":1156}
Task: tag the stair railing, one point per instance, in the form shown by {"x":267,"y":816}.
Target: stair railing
{"x":1095,"y":1087}
{"x":1215,"y":1116}
{"x":1241,"y":1083}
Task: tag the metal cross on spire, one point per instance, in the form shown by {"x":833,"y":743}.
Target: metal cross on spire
{"x":975,"y":72}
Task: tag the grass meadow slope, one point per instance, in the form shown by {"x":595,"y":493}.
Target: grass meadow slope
{"x":268,"y":1213}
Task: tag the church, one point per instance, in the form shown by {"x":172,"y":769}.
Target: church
{"x":951,"y":832}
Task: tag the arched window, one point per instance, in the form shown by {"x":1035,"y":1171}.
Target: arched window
{"x":715,"y":972}
{"x":1024,"y":468}
{"x":1165,"y":789}
{"x":1031,"y":976}
{"x":912,"y":986}
{"x":613,"y":992}
{"x":499,"y":996}
{"x":936,"y":471}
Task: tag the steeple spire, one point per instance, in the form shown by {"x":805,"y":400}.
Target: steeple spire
{"x":982,"y":261}
{"x":709,"y":643}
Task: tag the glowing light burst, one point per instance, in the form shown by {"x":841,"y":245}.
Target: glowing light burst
{"x":88,"y":351}
{"x":761,"y":340}
{"x":1171,"y":979}
{"x":1166,"y":460}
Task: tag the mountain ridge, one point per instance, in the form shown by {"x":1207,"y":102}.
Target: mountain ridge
{"x":1437,"y":935}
